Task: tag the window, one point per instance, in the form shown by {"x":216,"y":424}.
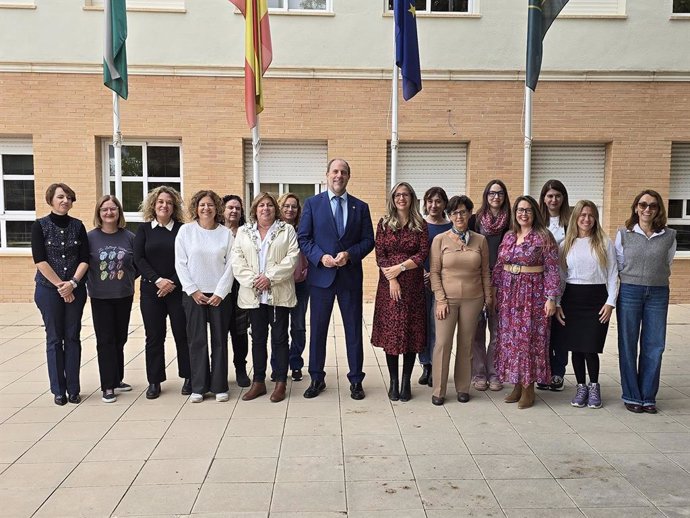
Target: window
{"x":594,"y":8}
{"x":133,"y":5}
{"x":17,"y":4}
{"x":145,"y":166}
{"x":17,"y":199}
{"x":297,"y":167}
{"x":579,"y":166}
{"x":442,"y":6}
{"x":428,"y":164}
{"x":679,"y":197}
{"x":681,"y":6}
{"x":300,"y":5}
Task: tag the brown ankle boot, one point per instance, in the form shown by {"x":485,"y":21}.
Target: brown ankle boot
{"x":279,"y":392}
{"x":527,"y":398}
{"x":257,"y":389}
{"x":514,"y":396}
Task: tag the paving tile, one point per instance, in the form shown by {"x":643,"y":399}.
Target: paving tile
{"x":81,"y":501}
{"x":622,"y":512}
{"x":253,"y":427}
{"x":511,"y":466}
{"x":305,"y":426}
{"x":44,"y":475}
{"x":241,"y":497}
{"x":78,"y":431}
{"x":310,"y":469}
{"x":557,"y":443}
{"x":376,"y":495}
{"x":308,"y":496}
{"x":397,"y":513}
{"x":23,"y":431}
{"x":22,"y":502}
{"x":453,"y":467}
{"x":373,"y":445}
{"x":161,"y":499}
{"x":52,"y":414}
{"x":173,"y":471}
{"x":201,"y":430}
{"x":462,"y":496}
{"x":122,"y":449}
{"x":603,"y":492}
{"x":613,"y":442}
{"x":435,"y":444}
{"x":242,"y":447}
{"x":377,"y":467}
{"x":103,"y":474}
{"x":10,"y":451}
{"x":669,"y":442}
{"x":313,"y":446}
{"x":262,"y":469}
{"x":109,"y":412}
{"x":57,"y":451}
{"x":543,"y":513}
{"x":578,"y":466}
{"x":530,"y":493}
{"x":365,"y":424}
{"x":154,"y":429}
{"x":495,"y":443}
{"x":674,"y":512}
{"x":183,"y":449}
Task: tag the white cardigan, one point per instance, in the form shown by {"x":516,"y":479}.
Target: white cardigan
{"x":281,"y":260}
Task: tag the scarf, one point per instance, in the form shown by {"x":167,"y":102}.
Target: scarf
{"x":464,"y":237}
{"x":492,"y":225}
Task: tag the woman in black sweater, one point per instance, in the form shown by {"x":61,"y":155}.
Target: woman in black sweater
{"x":60,"y":251}
{"x":161,"y":293}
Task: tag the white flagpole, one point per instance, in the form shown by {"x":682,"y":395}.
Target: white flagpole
{"x":256,"y":149}
{"x":117,"y":146}
{"x":394,"y":123}
{"x":528,"y":141}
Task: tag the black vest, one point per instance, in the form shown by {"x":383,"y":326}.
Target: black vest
{"x":62,"y":249}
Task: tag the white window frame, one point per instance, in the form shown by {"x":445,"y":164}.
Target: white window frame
{"x":177,"y":6}
{"x":594,"y":9}
{"x":675,"y":195}
{"x":674,"y":14}
{"x":135,"y":217}
{"x":17,"y":4}
{"x":13,"y":147}
{"x":472,"y":9}
{"x":286,"y":9}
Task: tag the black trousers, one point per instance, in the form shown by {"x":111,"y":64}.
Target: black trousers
{"x":239,"y":322}
{"x":154,"y":311}
{"x":208,"y":375}
{"x":277,"y":317}
{"x":111,"y":323}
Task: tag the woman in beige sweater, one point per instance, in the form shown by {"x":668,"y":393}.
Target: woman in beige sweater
{"x":461,"y":282}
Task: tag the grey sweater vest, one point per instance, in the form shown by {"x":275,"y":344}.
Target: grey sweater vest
{"x":646,"y":260}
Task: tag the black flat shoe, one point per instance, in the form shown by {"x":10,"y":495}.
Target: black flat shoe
{"x":60,"y":400}
{"x":634,"y":408}
{"x":393,"y":390}
{"x":75,"y":399}
{"x":356,"y":391}
{"x":315,"y":389}
{"x":405,"y":390}
{"x":438,"y":401}
{"x":649,"y":409}
{"x":186,"y":387}
{"x":296,"y":374}
{"x":463,"y":397}
{"x":426,"y":374}
{"x":242,"y":378}
{"x":153,"y":391}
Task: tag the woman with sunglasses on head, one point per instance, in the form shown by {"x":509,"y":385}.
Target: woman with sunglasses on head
{"x":60,"y":251}
{"x":110,"y":283}
{"x":590,"y":272}
{"x":399,"y":326}
{"x":239,"y":321}
{"x":555,"y":210}
{"x":435,"y":202}
{"x":461,"y":282}
{"x":644,"y":251}
{"x":527,"y":279}
{"x":492,"y":220}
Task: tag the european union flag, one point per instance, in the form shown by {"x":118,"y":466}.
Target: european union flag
{"x":407,"y":47}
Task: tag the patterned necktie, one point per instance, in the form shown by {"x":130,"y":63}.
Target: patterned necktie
{"x":339,"y":216}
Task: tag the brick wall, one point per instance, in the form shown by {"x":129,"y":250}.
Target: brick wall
{"x":68,"y":114}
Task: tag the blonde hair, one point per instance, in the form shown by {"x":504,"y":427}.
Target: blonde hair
{"x":597,"y":240}
{"x":281,"y":201}
{"x":148,"y":205}
{"x":255,"y":206}
{"x":415,"y":221}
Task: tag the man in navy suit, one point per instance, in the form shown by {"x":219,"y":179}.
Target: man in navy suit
{"x":335,"y":234}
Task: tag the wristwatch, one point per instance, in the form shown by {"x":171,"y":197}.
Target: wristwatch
{"x":403,"y":267}
{"x":74,"y":282}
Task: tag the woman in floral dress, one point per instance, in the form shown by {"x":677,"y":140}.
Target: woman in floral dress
{"x":400,"y":310}
{"x":527,"y":279}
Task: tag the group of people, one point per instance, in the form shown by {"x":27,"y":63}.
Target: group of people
{"x":541,"y":276}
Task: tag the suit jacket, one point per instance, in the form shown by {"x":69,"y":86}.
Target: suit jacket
{"x":318,"y":236}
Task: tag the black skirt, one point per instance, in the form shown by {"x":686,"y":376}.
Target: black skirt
{"x":583,"y":332}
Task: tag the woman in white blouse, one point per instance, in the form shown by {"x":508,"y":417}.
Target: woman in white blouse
{"x":264,"y":258}
{"x":590,"y":273}
{"x":202,"y":263}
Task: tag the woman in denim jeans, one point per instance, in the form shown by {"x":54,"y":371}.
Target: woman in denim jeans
{"x":644,"y":251}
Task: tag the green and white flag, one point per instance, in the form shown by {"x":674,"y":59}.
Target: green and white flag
{"x":115,"y":53}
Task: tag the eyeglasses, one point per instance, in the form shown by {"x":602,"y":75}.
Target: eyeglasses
{"x":108,"y":209}
{"x":286,"y":206}
{"x":401,"y":195}
{"x":461,"y":213}
{"x":651,"y":206}
{"x":522,"y":210}
{"x":495,"y":194}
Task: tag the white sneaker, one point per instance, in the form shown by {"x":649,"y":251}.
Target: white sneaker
{"x":196,"y":398}
{"x":222,"y":397}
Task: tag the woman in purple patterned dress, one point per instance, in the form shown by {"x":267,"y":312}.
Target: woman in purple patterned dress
{"x":527,"y":279}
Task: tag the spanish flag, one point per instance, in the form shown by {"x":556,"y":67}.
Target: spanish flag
{"x":258,"y":54}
